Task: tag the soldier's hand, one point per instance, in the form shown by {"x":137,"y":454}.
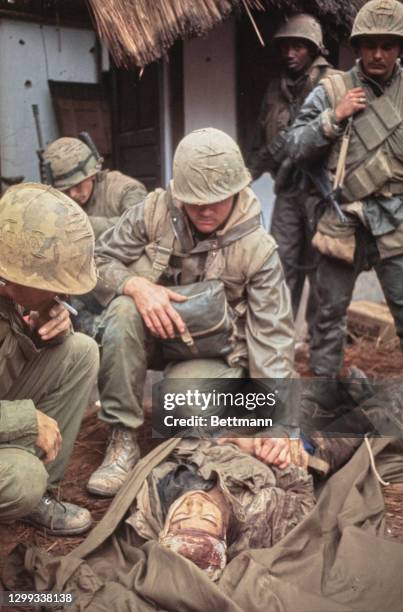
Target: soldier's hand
{"x":52,"y":322}
{"x":273,"y":451}
{"x":354,"y":101}
{"x":49,"y":438}
{"x":154,"y":304}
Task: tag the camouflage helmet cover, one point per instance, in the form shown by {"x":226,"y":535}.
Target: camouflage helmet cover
{"x":71,"y":162}
{"x":378,"y":18}
{"x":302,"y":26}
{"x":208,"y":167}
{"x":46,"y":240}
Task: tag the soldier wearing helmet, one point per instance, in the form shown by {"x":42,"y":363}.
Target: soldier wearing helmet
{"x":206,"y":225}
{"x":75,"y":167}
{"x":300,"y":45}
{"x":46,"y":371}
{"x":362,"y":109}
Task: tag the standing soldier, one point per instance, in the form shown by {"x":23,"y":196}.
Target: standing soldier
{"x":300,"y":44}
{"x":363,"y":109}
{"x":75,"y":169}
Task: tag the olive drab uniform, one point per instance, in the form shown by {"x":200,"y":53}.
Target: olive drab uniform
{"x":69,"y":161}
{"x":372,"y":194}
{"x":296,"y":201}
{"x":113,"y":194}
{"x":242,"y":255}
{"x":156,"y":240}
{"x":54,"y":376}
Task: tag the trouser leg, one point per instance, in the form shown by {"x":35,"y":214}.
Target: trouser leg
{"x":390,"y":274}
{"x":287,"y":228}
{"x":23,"y":481}
{"x":335,"y":284}
{"x":123,"y":364}
{"x":59,"y":381}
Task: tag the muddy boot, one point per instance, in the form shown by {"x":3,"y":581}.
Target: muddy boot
{"x":121,"y":455}
{"x":59,"y":518}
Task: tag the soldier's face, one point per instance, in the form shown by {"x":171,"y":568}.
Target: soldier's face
{"x":378,"y":55}
{"x":207,"y":218}
{"x":295,"y":54}
{"x":29,"y":298}
{"x":81,"y":192}
{"x":198,"y":511}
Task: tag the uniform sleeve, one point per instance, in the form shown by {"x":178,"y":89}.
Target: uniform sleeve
{"x":270,"y":331}
{"x":270,"y":337}
{"x":17,"y":420}
{"x":132,"y":196}
{"x":119,"y":247}
{"x":101,"y":224}
{"x":314,"y":130}
{"x":259,"y":159}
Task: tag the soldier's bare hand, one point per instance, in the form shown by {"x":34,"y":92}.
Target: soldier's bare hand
{"x":154,"y":304}
{"x":49,"y":438}
{"x":354,"y":101}
{"x":51,"y":323}
{"x":273,"y":451}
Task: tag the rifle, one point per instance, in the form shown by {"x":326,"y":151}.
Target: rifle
{"x":45,"y":170}
{"x":323,"y":185}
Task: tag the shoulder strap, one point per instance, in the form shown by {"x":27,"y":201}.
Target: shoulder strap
{"x":336,"y":86}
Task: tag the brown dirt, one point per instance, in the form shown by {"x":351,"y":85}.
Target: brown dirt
{"x":90,"y":446}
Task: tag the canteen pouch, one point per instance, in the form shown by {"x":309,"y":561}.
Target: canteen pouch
{"x":209,"y":321}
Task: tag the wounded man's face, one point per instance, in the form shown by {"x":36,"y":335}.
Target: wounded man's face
{"x":197,"y":511}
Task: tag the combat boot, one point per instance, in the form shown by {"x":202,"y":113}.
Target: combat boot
{"x":121,"y":455}
{"x":59,"y":518}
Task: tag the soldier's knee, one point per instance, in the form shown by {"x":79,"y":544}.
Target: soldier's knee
{"x":122,"y":319}
{"x":84,"y":349}
{"x":23,"y":481}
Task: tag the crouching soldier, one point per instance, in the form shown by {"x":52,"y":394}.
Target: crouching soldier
{"x":75,"y":167}
{"x":46,"y":371}
{"x":203,"y":232}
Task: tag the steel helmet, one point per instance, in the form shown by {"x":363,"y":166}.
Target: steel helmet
{"x":71,"y":161}
{"x":302,"y":26}
{"x":208,"y":167}
{"x":46,"y":240}
{"x":378,"y":18}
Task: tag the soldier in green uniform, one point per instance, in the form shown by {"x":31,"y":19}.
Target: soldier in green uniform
{"x":362,"y":108}
{"x":301,"y":49}
{"x":46,"y":371}
{"x":206,"y":225}
{"x":105,"y":195}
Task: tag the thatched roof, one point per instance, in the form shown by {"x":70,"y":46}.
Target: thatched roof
{"x":140,"y":31}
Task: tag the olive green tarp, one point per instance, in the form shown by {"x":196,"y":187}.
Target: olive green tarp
{"x":336,"y":560}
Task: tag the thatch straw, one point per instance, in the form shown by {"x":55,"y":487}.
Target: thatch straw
{"x":142,"y":30}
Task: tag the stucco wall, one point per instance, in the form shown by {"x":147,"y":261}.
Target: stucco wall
{"x":30,"y":55}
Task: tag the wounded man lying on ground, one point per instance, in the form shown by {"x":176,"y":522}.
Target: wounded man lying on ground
{"x":211,"y":500}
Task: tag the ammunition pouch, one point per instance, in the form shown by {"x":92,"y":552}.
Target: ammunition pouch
{"x":368,"y":178}
{"x":377,"y":122}
{"x":210,"y":323}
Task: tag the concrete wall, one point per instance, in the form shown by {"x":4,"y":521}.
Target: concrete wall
{"x":30,"y":55}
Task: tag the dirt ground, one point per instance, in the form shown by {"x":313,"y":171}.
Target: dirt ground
{"x":90,"y":446}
